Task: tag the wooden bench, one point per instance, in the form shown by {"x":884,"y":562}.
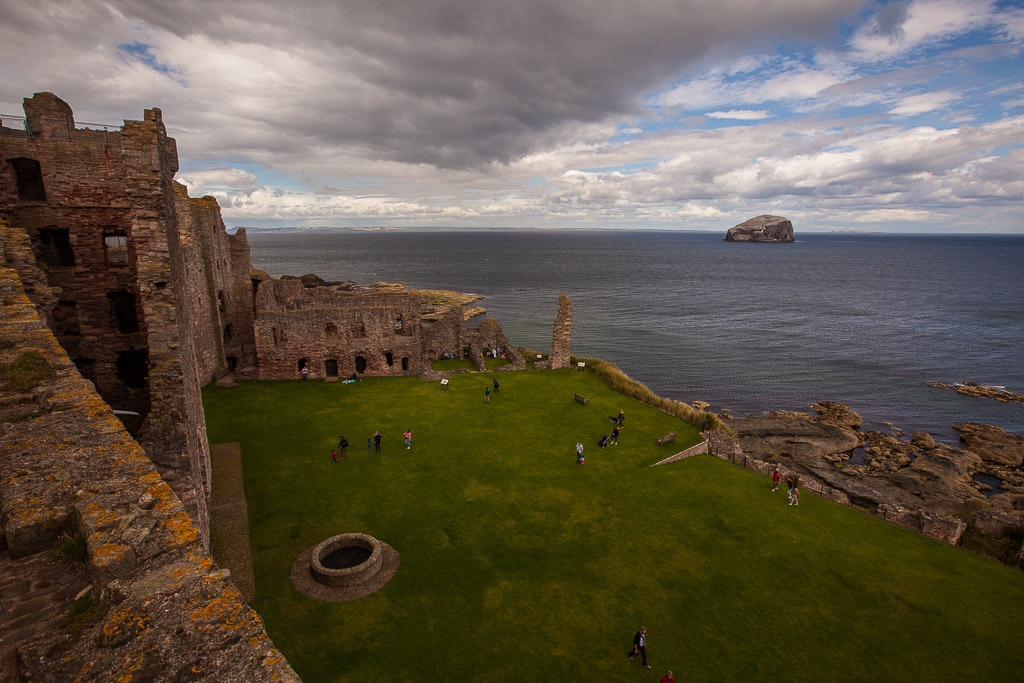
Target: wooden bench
{"x":584,"y":401}
{"x":665,"y":439}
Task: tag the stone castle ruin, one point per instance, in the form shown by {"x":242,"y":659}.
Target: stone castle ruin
{"x":133,"y":295}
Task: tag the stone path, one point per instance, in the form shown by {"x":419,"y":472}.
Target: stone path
{"x":35,"y":593}
{"x":229,"y":518}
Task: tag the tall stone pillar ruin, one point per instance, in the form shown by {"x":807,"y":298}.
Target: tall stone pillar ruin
{"x":561,"y":337}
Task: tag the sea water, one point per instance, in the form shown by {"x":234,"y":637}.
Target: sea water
{"x":863,"y":319}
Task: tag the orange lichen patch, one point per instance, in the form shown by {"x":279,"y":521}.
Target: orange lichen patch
{"x":107,"y":554}
{"x":183,"y":531}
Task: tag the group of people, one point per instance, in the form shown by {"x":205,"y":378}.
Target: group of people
{"x":371,"y":442}
{"x":605,"y":440}
{"x":640,"y":648}
{"x":792,"y":485}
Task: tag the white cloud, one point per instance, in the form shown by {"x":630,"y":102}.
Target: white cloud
{"x":739,"y":114}
{"x":926,"y":102}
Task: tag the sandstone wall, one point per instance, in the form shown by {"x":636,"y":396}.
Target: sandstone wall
{"x":218,"y":284}
{"x":101,"y":214}
{"x":162,"y":610}
{"x":561,"y":337}
{"x":335,"y":332}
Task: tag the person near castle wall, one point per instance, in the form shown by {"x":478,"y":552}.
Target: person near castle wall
{"x":794,"y":495}
{"x":639,"y":646}
{"x":408,"y":439}
{"x":776,"y":478}
{"x":376,"y":441}
{"x":305,"y":372}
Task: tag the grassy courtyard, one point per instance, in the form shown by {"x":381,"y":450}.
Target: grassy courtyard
{"x":517,"y":564}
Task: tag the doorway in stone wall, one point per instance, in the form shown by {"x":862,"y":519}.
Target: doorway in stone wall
{"x":360,"y":364}
{"x":331,"y":368}
{"x":301,"y":364}
{"x":405,"y":364}
{"x":389,"y":358}
{"x":232,"y":363}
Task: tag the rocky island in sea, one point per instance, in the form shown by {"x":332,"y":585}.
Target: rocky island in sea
{"x":763,"y":228}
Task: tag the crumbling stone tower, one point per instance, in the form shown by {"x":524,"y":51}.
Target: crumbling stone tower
{"x":101,"y":212}
{"x":561,"y":336}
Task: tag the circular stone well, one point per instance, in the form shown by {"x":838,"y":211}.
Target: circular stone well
{"x":346,"y":560}
{"x":344,"y":567}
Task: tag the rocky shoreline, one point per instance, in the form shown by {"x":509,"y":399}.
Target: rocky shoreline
{"x":884,"y":471}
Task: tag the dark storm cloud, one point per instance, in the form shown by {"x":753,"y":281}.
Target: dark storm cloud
{"x":460,"y":83}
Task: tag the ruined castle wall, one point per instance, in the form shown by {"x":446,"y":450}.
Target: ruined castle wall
{"x":99,"y":210}
{"x":561,"y":337}
{"x":445,"y":335}
{"x":81,"y":200}
{"x":165,"y":611}
{"x":335,"y":332}
{"x":218,"y":284}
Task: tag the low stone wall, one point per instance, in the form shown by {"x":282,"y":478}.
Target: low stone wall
{"x":698,"y":449}
{"x":945,"y":528}
{"x":160,"y":609}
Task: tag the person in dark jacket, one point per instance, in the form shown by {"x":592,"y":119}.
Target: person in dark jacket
{"x":343,"y":447}
{"x":639,"y":646}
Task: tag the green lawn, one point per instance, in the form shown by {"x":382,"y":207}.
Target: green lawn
{"x":519,"y":565}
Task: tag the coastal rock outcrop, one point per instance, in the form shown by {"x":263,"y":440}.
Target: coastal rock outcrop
{"x":993,"y":444}
{"x":763,"y":228}
{"x":875,"y":469}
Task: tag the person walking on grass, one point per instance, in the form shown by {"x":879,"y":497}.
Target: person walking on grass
{"x":334,"y":455}
{"x":776,"y":478}
{"x":343,"y":447}
{"x":369,"y":443}
{"x":794,"y":495}
{"x":495,"y":386}
{"x":615,"y":435}
{"x":376,"y":441}
{"x":579,"y":453}
{"x":639,"y":646}
{"x":487,"y":394}
{"x":408,"y":439}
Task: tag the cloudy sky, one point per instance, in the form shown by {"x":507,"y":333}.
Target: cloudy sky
{"x":666,"y":114}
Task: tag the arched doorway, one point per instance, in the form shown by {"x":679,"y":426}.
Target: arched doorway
{"x":360,"y":364}
{"x":331,"y":368}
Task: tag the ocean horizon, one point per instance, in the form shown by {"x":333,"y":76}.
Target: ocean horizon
{"x":865,"y":319}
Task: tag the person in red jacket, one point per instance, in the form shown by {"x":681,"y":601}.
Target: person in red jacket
{"x":776,"y":478}
{"x":667,"y":678}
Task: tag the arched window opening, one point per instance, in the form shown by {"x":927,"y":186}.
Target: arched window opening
{"x":389,"y":358}
{"x":405,"y":363}
{"x":331,"y":331}
{"x":228,"y":332}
